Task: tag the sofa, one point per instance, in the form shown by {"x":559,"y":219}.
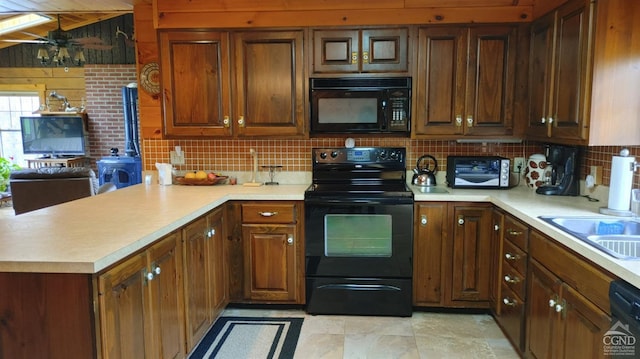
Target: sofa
{"x":37,"y":188}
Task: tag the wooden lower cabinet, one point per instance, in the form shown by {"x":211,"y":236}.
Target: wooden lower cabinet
{"x":273,"y":249}
{"x":452,"y":244}
{"x":205,"y":274}
{"x":567,"y":305}
{"x":141,"y":304}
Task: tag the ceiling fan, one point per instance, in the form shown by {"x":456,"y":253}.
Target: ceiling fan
{"x":59,"y":41}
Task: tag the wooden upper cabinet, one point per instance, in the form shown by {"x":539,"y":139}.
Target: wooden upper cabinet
{"x":360,"y":50}
{"x":465,"y":81}
{"x":581,"y":74}
{"x":269,"y":78}
{"x":195,"y":83}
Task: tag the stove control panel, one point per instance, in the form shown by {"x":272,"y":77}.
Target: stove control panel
{"x":359,"y":155}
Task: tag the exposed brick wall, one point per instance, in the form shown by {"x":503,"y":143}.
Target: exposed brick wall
{"x":104,"y":106}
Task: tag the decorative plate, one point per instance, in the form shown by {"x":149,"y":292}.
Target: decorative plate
{"x":150,"y":78}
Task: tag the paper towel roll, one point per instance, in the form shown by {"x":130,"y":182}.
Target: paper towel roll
{"x":621,"y":183}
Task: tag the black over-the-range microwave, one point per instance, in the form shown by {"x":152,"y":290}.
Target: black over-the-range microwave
{"x":361,"y":105}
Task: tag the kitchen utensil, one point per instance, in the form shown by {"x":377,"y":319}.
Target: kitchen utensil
{"x":423,"y":174}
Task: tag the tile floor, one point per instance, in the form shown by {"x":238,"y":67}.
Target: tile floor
{"x":424,"y":335}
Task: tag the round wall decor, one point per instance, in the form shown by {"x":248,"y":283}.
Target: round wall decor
{"x":150,"y":78}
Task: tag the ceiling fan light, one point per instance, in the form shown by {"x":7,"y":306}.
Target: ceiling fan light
{"x":79,"y":57}
{"x":43,"y":54}
{"x":63,"y":53}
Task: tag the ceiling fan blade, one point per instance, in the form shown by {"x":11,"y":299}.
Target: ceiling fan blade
{"x":34,"y":35}
{"x":88,"y":40}
{"x":28,"y":41}
{"x":97,"y":47}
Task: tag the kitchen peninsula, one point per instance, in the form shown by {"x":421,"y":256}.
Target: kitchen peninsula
{"x":51,"y":259}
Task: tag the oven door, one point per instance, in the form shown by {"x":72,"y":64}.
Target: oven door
{"x":370,"y":238}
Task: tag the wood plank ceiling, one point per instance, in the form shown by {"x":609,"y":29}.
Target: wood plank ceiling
{"x":73,"y":14}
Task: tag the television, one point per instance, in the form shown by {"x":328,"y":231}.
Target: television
{"x":54,"y":136}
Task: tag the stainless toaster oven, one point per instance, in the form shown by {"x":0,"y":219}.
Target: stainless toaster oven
{"x":478,"y":172}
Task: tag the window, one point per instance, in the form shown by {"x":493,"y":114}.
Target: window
{"x":16,"y":101}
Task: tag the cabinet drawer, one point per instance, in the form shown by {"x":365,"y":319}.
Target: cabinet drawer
{"x":513,"y":279}
{"x":516,"y":257}
{"x":517,"y":232}
{"x":511,"y":317}
{"x":268,"y":213}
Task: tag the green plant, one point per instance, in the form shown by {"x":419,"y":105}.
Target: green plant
{"x":6,"y":167}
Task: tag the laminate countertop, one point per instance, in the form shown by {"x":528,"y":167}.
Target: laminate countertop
{"x":90,"y":234}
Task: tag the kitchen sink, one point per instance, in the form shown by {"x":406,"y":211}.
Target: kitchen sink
{"x":618,"y":237}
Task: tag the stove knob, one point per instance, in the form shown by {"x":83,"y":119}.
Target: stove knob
{"x":334,"y":154}
{"x":394,"y":155}
{"x":323,"y":155}
{"x":383,"y":155}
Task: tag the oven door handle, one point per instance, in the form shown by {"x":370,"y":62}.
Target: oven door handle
{"x":360,"y":287}
{"x":341,"y":201}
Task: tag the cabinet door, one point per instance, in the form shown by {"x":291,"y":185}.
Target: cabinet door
{"x":542,"y":318}
{"x":428,"y":252}
{"x":124,"y":311}
{"x":540,"y":63}
{"x":584,"y":326}
{"x":195,"y":83}
{"x":490,"y":81}
{"x":336,"y":50}
{"x":385,"y":50}
{"x":165,"y":259}
{"x":571,"y":58}
{"x":269,"y":93}
{"x":471,"y":246}
{"x":197,"y":289}
{"x":270,"y":262}
{"x":440,"y":86}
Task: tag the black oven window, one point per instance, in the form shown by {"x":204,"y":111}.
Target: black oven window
{"x":357,"y":235}
{"x":347,"y":110}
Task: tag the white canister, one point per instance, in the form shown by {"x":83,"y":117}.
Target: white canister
{"x":536,"y":172}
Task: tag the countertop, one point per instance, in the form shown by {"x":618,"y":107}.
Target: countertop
{"x":90,"y":234}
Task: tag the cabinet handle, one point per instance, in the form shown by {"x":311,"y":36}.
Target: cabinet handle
{"x":496,"y":227}
{"x":423,"y":220}
{"x":470,"y":121}
{"x":354,"y":58}
{"x":509,"y":279}
{"x":290,"y":241}
{"x":513,"y":232}
{"x":365,"y":57}
{"x":460,"y":220}
{"x":543,"y":120}
{"x":511,"y":257}
{"x":267,"y":214}
{"x":241,"y":121}
{"x":509,"y":302}
{"x":226,"y":121}
{"x":458,"y":121}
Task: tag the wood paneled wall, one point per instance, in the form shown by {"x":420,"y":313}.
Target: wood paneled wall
{"x":68,"y":82}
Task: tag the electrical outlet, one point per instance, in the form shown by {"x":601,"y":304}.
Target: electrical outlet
{"x":518,"y":164}
{"x":177,"y":159}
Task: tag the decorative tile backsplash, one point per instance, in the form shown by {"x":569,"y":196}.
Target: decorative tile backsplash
{"x":295,"y":155}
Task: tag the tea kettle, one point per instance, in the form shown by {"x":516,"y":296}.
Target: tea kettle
{"x":423,"y":175}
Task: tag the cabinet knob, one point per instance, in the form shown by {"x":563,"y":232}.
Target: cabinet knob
{"x":510,"y":279}
{"x":226,"y":121}
{"x":559,"y":308}
{"x":511,"y":257}
{"x":496,"y":227}
{"x":543,"y":120}
{"x":365,"y":57}
{"x":149,"y":276}
{"x":354,"y":58}
{"x":157,"y":270}
{"x":423,"y":220}
{"x":510,"y":302}
{"x":241,"y":121}
{"x":460,"y":220}
{"x":290,"y":241}
{"x":470,"y":121}
{"x":458,"y":121}
{"x":550,"y":120}
{"x":552,"y":302}
{"x":267,"y":214}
